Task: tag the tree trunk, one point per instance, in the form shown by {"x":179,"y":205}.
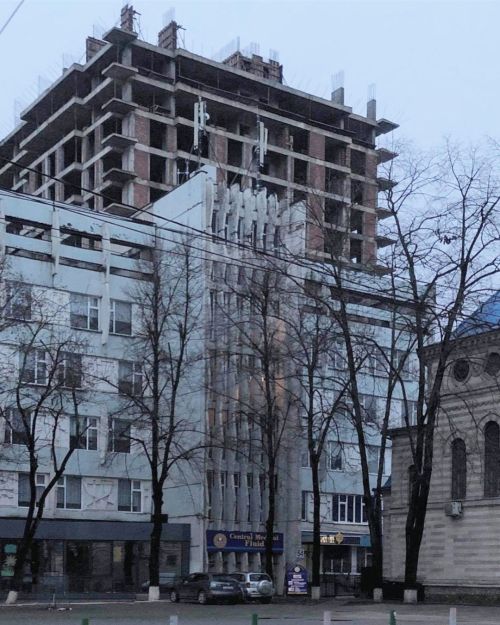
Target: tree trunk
{"x":316,"y":550}
{"x":269,"y":541}
{"x":155,"y":544}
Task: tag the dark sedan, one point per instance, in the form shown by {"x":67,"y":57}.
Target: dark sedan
{"x":206,"y":587}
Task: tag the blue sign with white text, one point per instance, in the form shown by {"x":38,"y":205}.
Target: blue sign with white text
{"x":222,"y":540}
{"x":296,"y":580}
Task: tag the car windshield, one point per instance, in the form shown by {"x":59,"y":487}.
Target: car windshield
{"x":259,"y":577}
{"x":222,"y":578}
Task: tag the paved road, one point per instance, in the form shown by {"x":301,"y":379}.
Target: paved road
{"x":276,"y":614}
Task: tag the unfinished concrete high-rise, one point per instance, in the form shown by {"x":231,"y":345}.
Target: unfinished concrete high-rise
{"x":119,"y":132}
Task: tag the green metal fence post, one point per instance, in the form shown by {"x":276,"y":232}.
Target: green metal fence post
{"x":85,"y":621}
{"x":255,"y":619}
{"x":392,"y":620}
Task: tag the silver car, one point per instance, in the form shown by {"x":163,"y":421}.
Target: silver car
{"x":255,"y":586}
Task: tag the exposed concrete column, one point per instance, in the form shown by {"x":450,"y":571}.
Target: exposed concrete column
{"x":219,"y":155}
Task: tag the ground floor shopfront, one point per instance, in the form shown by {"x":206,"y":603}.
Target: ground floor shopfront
{"x":342,"y":558}
{"x":73,"y":557}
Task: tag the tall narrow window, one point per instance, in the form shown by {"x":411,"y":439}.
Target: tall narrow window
{"x":458,"y":469}
{"x":491,"y":459}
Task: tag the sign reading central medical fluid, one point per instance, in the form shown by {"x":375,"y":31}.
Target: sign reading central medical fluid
{"x":222,"y":540}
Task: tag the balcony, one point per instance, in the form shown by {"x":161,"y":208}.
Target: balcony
{"x":118,"y":71}
{"x":119,"y":106}
{"x":384,"y":155}
{"x":118,"y":175}
{"x":384,"y":126}
{"x":118,"y":141}
{"x":383,"y":213}
{"x":383,"y":241}
{"x":385,"y":184}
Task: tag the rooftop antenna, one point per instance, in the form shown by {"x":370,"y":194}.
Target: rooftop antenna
{"x":274,"y":55}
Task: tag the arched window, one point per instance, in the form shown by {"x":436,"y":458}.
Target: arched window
{"x":458,"y":469}
{"x":491,"y":459}
{"x":492,"y":364}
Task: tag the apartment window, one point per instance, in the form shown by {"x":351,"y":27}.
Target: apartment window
{"x":250,"y":495}
{"x":223,"y":484}
{"x":236,"y":486}
{"x":84,"y":312}
{"x":18,"y":301}
{"x":83,"y":433}
{"x":24,"y":490}
{"x":304,"y":508}
{"x":129,"y":496}
{"x":69,"y":492}
{"x":253,"y":235}
{"x":239,"y":233}
{"x":15,"y":430}
{"x":264,"y":237}
{"x":120,"y":317}
{"x":491,"y":459}
{"x":458,"y":469}
{"x":305,"y":459}
{"x":70,"y":370}
{"x":119,"y":436}
{"x":35,"y":366}
{"x":402,"y":363}
{"x":410,"y":410}
{"x":348,"y":509}
{"x":372,"y":453}
{"x":214,"y":226}
{"x":210,"y":493}
{"x":369,"y":404}
{"x":130,"y":378}
{"x":334,"y":456}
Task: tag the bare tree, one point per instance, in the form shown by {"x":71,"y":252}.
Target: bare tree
{"x":163,"y":373}
{"x":320,"y":392}
{"x":41,"y":393}
{"x":445,"y":223}
{"x":268,"y":406}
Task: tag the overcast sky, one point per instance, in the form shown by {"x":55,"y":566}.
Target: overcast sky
{"x":434,"y":64}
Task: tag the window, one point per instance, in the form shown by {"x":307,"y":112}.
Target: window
{"x":213,"y":226}
{"x":304,"y":508}
{"x":492,"y":366}
{"x":305,"y":459}
{"x":491,"y":459}
{"x":83,"y":433}
{"x":119,"y":436}
{"x":69,"y":492}
{"x":70,"y":370}
{"x":250,"y":496}
{"x":409,"y":413}
{"x":129,"y":496}
{"x":15,"y":427}
{"x":276,"y":241}
{"x":24,"y":490}
{"x":84,"y":312}
{"x":461,"y":369}
{"x":458,"y":469}
{"x":348,"y":509}
{"x":334,"y":456}
{"x":369,"y":404}
{"x":130,"y":378}
{"x":120,"y":317}
{"x":34,"y":367}
{"x":18,"y":301}
{"x":236,"y":486}
{"x":372,"y":453}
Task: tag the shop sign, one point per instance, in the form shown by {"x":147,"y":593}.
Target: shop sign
{"x":222,"y":540}
{"x":332,"y":539}
{"x":296,"y":580}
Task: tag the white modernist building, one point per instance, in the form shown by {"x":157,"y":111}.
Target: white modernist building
{"x":83,"y":266}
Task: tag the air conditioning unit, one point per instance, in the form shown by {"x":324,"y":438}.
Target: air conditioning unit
{"x":453,"y":509}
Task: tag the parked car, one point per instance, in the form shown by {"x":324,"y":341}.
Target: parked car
{"x":255,"y":586}
{"x":167,"y":582}
{"x":206,"y":587}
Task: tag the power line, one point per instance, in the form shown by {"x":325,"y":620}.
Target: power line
{"x":11,"y":16}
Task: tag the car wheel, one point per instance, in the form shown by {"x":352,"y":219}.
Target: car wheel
{"x":202,"y":597}
{"x":174,"y":597}
{"x":266,"y":599}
